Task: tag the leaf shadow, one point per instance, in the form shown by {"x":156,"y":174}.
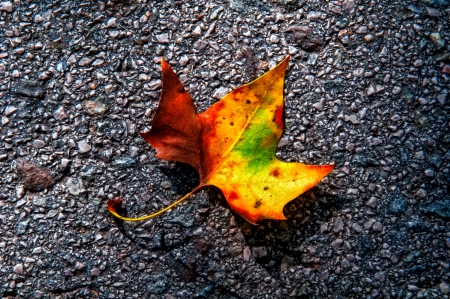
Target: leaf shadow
{"x":286,"y":241}
{"x":183,"y":177}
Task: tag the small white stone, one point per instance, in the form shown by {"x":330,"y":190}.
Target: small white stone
{"x":38,"y":46}
{"x":20,"y":191}
{"x":145,"y":17}
{"x":429,"y":172}
{"x":96,"y":272}
{"x":98,"y":62}
{"x":10,"y":110}
{"x":279,"y":17}
{"x":337,"y":243}
{"x":259,"y":251}
{"x":114,"y":33}
{"x":377,"y":227}
{"x":376,"y":141}
{"x":184,"y":60}
{"x":444,"y":287}
{"x":418,"y":63}
{"x":369,"y":223}
{"x":5,"y":120}
{"x":144,"y":77}
{"x":361,"y":30}
{"x":353,"y":118}
{"x":197,"y":31}
{"x":79,"y":265}
{"x":155,"y":84}
{"x":274,"y":39}
{"x":111,"y":23}
{"x":71,"y":60}
{"x":59,"y":114}
{"x":379,"y":88}
{"x":18,"y":269}
{"x":314,"y":15}
{"x":84,"y":61}
{"x":292,"y":50}
{"x":134,"y":151}
{"x":29,"y":260}
{"x":83,"y":147}
{"x":283,"y":141}
{"x":348,"y":5}
{"x":64,"y":163}
{"x":423,"y":101}
{"x":370,"y":90}
{"x":396,"y":90}
{"x":200,"y":45}
{"x":163,"y":38}
{"x":38,"y":143}
{"x":338,"y":225}
{"x":356,"y":227}
{"x":6,"y":6}
{"x":442,"y":98}
{"x":75,"y":186}
{"x":368,"y":38}
{"x":433,"y":12}
{"x":38,"y":19}
{"x":421,"y":193}
{"x":334,"y":8}
{"x":16,"y":74}
{"x":373,"y":201}
{"x":247,"y":254}
{"x":220,"y":92}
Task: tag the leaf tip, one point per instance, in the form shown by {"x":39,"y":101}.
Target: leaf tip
{"x":282,"y":66}
{"x":331,"y":166}
{"x":164,"y":64}
{"x":326,"y":169}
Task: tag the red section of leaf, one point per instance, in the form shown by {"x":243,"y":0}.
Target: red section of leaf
{"x":175,"y":129}
{"x":279,"y":116}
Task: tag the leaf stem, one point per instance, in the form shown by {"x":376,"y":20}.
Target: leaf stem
{"x":112,"y":210}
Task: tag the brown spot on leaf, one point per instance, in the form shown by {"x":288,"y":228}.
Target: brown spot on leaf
{"x":279,"y":116}
{"x":275,"y":172}
{"x":257,"y":203}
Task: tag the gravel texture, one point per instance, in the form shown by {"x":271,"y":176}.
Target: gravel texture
{"x":367,"y":88}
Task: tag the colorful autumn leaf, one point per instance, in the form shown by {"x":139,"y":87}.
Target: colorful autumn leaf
{"x":232,"y":145}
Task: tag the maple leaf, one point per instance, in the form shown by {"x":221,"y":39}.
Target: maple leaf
{"x":232,"y":145}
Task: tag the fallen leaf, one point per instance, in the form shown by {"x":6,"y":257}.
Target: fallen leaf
{"x":232,"y":145}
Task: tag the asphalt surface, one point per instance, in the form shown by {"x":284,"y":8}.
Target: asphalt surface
{"x":367,"y":88}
